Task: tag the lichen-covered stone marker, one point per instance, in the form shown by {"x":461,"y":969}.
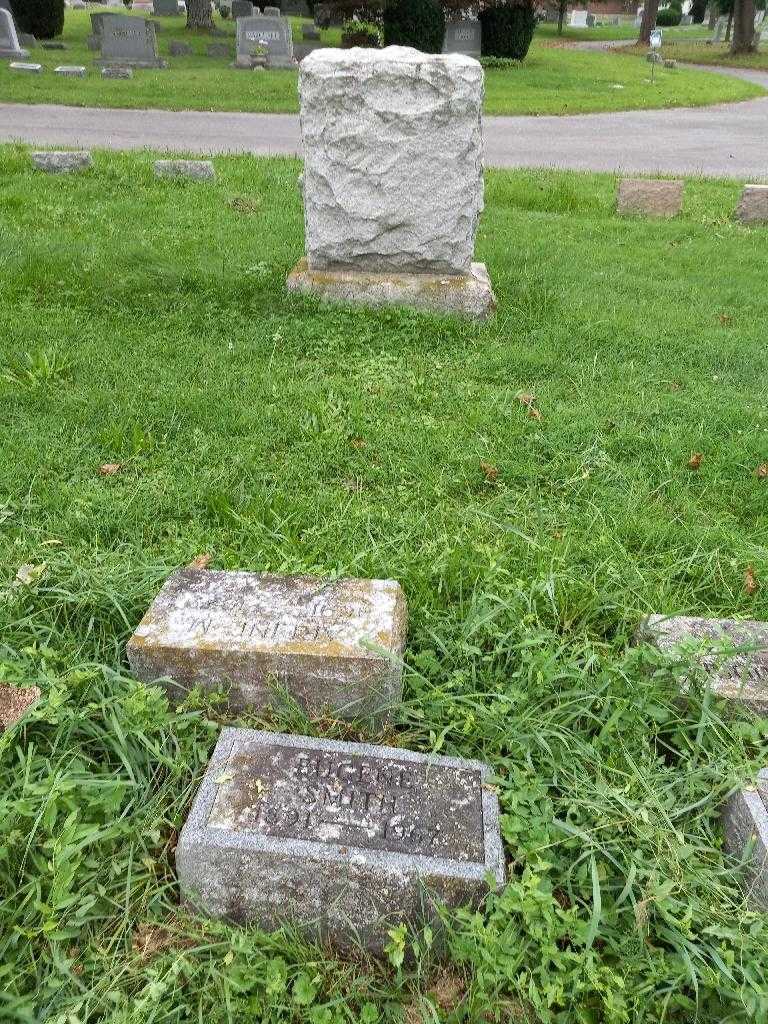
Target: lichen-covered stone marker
{"x":62,"y":161}
{"x":651,"y":197}
{"x":344,"y":840}
{"x":753,"y":205}
{"x":393,"y":179}
{"x":333,"y":645}
{"x":745,"y":820}
{"x":200,"y":170}
{"x":733,"y":654}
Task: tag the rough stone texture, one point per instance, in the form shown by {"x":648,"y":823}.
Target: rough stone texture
{"x":745,"y":818}
{"x":200,"y":170}
{"x":466,"y":294}
{"x":178,"y":49}
{"x":331,"y":645}
{"x":117,"y":72}
{"x":392,"y":159}
{"x":129,"y":42}
{"x":654,"y":198}
{"x":343,"y":840}
{"x":740,"y":676}
{"x":753,"y":205}
{"x":15,"y":702}
{"x":71,"y":70}
{"x":52,"y":44}
{"x":9,"y":39}
{"x":463,"y":37}
{"x":30,"y":69}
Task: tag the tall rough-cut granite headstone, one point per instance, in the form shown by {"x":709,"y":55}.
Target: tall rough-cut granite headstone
{"x":332,"y":645}
{"x":342,"y":840}
{"x":463,"y":37}
{"x":732,"y":654}
{"x":9,"y":38}
{"x":272,"y":33}
{"x":745,"y":823}
{"x":129,"y":42}
{"x":393,"y":179}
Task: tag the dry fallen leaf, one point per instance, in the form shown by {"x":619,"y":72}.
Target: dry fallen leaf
{"x":529,"y":401}
{"x":750,"y":581}
{"x":762,"y":471}
{"x":490,"y":472}
{"x":110,"y":468}
{"x":357,"y":442}
{"x":201,"y":562}
{"x":695,"y":460}
{"x":725,"y":319}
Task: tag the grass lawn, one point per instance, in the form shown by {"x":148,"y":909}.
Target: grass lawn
{"x":718,"y":53}
{"x":145,"y":324}
{"x":551,"y":81}
{"x":547,"y":30}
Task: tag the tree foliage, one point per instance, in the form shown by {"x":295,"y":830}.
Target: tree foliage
{"x":508,"y":28}
{"x":43,"y":19}
{"x":417,"y":23}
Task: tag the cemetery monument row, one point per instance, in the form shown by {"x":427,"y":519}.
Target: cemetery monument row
{"x":344,"y":840}
{"x":9,"y":39}
{"x":333,"y":645}
{"x":393,"y":179}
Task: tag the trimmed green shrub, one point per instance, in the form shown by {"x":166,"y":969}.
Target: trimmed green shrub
{"x":508,"y":29}
{"x":43,"y":19}
{"x":360,"y":33}
{"x":418,"y":23}
{"x":667,"y":18}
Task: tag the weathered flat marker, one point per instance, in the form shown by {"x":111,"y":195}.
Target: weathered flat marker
{"x":652,"y":197}
{"x":733,"y":654}
{"x":333,"y":645}
{"x":343,"y":840}
{"x":745,"y":820}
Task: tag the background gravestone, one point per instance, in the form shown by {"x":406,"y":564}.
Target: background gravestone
{"x":242,"y":9}
{"x":273,"y":33}
{"x":343,"y":840}
{"x":9,"y":39}
{"x":745,"y":822}
{"x":129,"y":42}
{"x":651,"y":197}
{"x":165,"y":8}
{"x":332,"y":645}
{"x":753,"y":205}
{"x":463,"y":37}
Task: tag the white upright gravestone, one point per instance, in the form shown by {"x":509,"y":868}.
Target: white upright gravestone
{"x":393,"y":179}
{"x":9,"y":39}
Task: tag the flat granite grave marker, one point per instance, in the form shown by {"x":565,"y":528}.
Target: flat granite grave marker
{"x":179,"y":49}
{"x":753,"y":205}
{"x":30,"y":69}
{"x":654,"y":198}
{"x":463,"y":37}
{"x":62,"y":161}
{"x":344,"y":840}
{"x":272,"y":33}
{"x":733,"y":654}
{"x":200,"y":170}
{"x":9,"y":39}
{"x":129,"y":42}
{"x":71,"y":70}
{"x":117,"y":72}
{"x":745,"y":820}
{"x":333,"y":645}
{"x":399,"y":134}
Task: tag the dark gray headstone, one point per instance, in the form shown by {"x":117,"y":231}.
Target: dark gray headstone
{"x":218,"y":50}
{"x":129,"y":42}
{"x":27,"y":40}
{"x":309,"y":32}
{"x":165,"y":8}
{"x":52,"y":44}
{"x":242,"y":9}
{"x":274,"y":34}
{"x":732,"y":654}
{"x":343,"y":840}
{"x":463,"y":37}
{"x":178,"y":49}
{"x":9,"y":39}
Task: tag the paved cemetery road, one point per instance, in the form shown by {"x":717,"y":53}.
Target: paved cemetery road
{"x":723,"y":140}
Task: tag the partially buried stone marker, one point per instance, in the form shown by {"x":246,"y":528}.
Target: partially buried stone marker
{"x":71,"y":70}
{"x":200,"y":170}
{"x":31,"y":69}
{"x":343,"y":840}
{"x":745,"y":821}
{"x":393,"y":185}
{"x":62,"y":162}
{"x":334,"y":645}
{"x":734,"y":655}
{"x":654,"y":198}
{"x":117,"y":72}
{"x":753,"y":205}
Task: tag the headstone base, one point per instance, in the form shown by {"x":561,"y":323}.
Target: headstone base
{"x":744,"y":817}
{"x":464,"y":294}
{"x":341,"y":840}
{"x":152,"y":64}
{"x":15,"y":54}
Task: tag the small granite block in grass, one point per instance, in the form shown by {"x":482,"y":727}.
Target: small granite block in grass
{"x":343,"y":840}
{"x":117,"y":72}
{"x":218,"y":50}
{"x":753,"y":205}
{"x":334,"y":646}
{"x":178,"y":49}
{"x":56,"y":162}
{"x":30,"y":69}
{"x":200,"y":170}
{"x":653,"y":198}
{"x":745,"y":824}
{"x":71,"y":70}
{"x":734,"y":655}
{"x":52,"y":44}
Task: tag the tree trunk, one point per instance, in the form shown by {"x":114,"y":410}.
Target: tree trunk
{"x":743,"y":27}
{"x":728,"y":26}
{"x":648,"y":23}
{"x":199,"y":14}
{"x":561,"y":16}
{"x":712,"y":16}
